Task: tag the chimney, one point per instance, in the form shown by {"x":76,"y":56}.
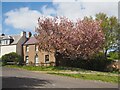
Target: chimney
{"x":29,"y":34}
{"x":2,"y":34}
{"x":23,"y":33}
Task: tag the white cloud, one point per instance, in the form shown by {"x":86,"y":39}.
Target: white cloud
{"x":26,"y":19}
{"x":22,"y":18}
{"x":110,"y":8}
{"x":81,"y":8}
{"x":47,"y":11}
{"x":70,"y":10}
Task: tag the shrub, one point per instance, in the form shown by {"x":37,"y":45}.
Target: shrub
{"x":11,"y":57}
{"x":97,"y":62}
{"x":113,"y":55}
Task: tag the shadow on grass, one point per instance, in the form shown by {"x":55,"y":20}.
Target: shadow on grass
{"x":23,"y":82}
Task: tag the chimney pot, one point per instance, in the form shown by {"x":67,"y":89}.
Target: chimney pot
{"x":29,"y":34}
{"x":23,"y":33}
{"x":2,"y":34}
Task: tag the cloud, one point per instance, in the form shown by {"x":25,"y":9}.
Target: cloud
{"x":22,"y":18}
{"x":26,"y":19}
{"x":48,"y":11}
{"x":81,"y":8}
{"x":110,"y":8}
{"x":69,"y":9}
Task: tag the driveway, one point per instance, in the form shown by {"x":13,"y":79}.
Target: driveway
{"x":17,"y":78}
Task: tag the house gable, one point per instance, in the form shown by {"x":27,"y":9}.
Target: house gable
{"x":12,"y":43}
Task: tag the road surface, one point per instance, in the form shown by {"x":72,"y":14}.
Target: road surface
{"x":17,"y":78}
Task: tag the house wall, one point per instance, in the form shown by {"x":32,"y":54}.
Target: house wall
{"x":20,"y":45}
{"x":16,"y":47}
{"x":7,"y":49}
{"x":41,"y":55}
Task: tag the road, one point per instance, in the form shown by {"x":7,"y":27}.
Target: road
{"x":17,"y":78}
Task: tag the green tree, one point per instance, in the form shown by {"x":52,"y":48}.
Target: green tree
{"x":113,"y":55}
{"x":110,"y":28}
{"x":11,"y":57}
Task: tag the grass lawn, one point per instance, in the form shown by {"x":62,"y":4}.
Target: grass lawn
{"x":73,"y":72}
{"x":105,"y":78}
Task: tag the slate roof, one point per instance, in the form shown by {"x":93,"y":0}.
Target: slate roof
{"x":32,"y":40}
{"x":15,"y":38}
{"x":1,"y":37}
{"x":7,"y":37}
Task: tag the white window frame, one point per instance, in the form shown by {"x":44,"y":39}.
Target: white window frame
{"x":36,"y":60}
{"x":27,"y":59}
{"x":27,"y":48}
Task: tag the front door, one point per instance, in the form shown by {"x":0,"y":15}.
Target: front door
{"x":36,"y":60}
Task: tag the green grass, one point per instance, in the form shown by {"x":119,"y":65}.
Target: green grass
{"x":82,"y":74}
{"x":33,"y":68}
{"x":105,"y":78}
{"x":48,"y":68}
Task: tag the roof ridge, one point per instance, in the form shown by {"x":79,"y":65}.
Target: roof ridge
{"x":31,"y":40}
{"x":14,"y":35}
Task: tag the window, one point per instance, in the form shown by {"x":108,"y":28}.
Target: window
{"x":5,"y":42}
{"x":8,"y":41}
{"x":27,"y":48}
{"x":36,"y":60}
{"x":2,"y":42}
{"x":36,"y":47}
{"x":27,"y":60}
{"x":46,"y":58}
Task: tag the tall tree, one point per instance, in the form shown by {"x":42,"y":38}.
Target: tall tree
{"x":109,"y":26}
{"x":73,"y":39}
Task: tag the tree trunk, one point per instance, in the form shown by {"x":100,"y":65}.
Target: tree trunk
{"x":105,"y":53}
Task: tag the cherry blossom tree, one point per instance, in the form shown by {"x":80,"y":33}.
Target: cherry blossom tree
{"x":73,"y":39}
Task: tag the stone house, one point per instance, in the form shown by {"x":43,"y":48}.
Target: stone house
{"x":33,"y":56}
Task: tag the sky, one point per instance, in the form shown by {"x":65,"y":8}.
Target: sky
{"x":0,"y":18}
{"x":23,"y":16}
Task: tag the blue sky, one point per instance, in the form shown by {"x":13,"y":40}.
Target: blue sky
{"x":22,"y":16}
{"x":7,"y":7}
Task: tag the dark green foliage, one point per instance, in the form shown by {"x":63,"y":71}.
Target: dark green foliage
{"x":11,"y":57}
{"x":97,"y":62}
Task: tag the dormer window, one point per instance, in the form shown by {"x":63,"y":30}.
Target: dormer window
{"x":5,"y":42}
